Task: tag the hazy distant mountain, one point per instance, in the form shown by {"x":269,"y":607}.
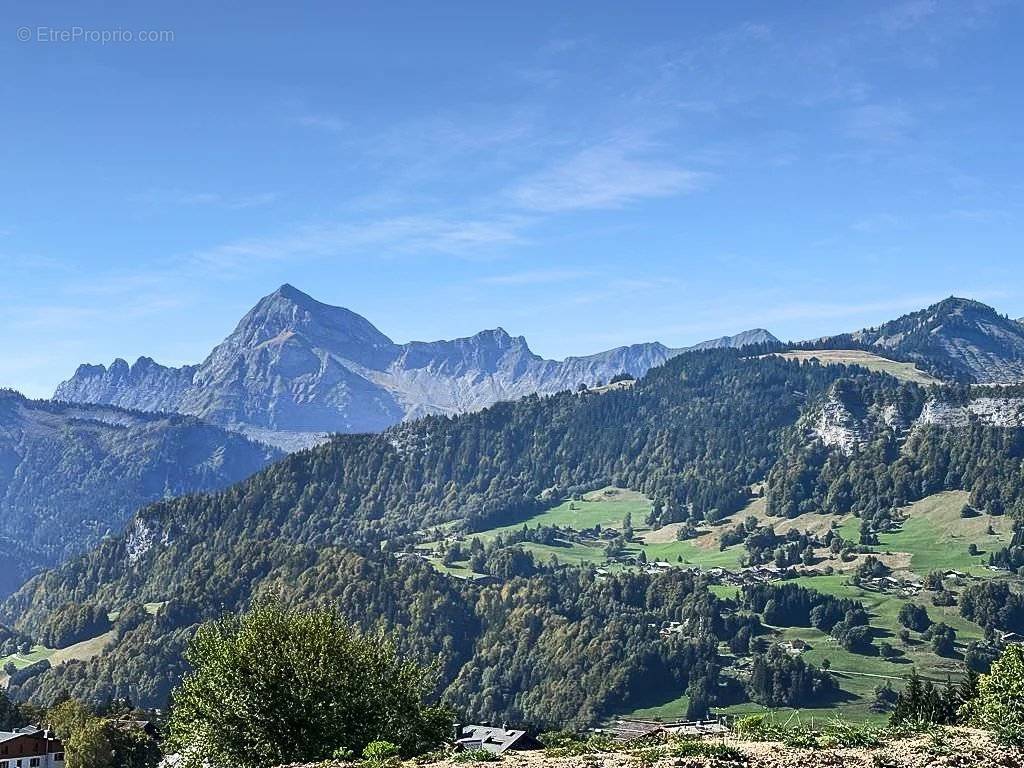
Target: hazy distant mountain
{"x":957,"y":339}
{"x":71,"y":474}
{"x":295,"y":368}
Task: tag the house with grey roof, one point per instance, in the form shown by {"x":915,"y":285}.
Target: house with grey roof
{"x":30,"y":747}
{"x":495,"y":740}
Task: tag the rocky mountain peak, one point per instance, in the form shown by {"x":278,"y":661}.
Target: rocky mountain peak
{"x":288,"y":312}
{"x":742,"y":339}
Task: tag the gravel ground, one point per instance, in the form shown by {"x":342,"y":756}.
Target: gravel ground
{"x":949,"y":748}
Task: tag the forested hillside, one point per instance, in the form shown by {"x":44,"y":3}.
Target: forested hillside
{"x":693,"y":435}
{"x":70,"y":474}
{"x":544,"y":644}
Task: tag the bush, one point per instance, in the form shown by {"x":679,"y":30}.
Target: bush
{"x":712,"y":750}
{"x":1000,"y":693}
{"x":942,"y":638}
{"x":380,"y":752}
{"x":278,"y":686}
{"x":567,"y":744}
{"x":838,"y":735}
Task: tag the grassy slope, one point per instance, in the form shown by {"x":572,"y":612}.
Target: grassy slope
{"x":934,"y":537}
{"x":904,"y":371}
{"x":608,"y":508}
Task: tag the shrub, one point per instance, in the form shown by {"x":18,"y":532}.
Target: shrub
{"x":836,"y":734}
{"x":1000,"y":693}
{"x":554,"y":739}
{"x":380,"y":751}
{"x":475,"y":756}
{"x":711,"y":750}
{"x":566,"y":744}
{"x":756,"y":728}
{"x":942,"y":638}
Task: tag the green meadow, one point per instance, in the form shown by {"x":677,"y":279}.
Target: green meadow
{"x":933,"y":536}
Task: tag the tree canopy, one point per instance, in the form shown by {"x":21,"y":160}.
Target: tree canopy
{"x":275,"y":686}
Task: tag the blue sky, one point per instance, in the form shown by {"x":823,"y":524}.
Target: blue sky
{"x":586,"y":174}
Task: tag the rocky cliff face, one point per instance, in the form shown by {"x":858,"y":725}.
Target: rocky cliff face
{"x":844,"y":422}
{"x":71,"y":474}
{"x":1004,"y":411}
{"x":295,"y":369}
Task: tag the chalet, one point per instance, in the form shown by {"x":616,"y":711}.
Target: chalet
{"x":794,"y":647}
{"x":495,"y":740}
{"x":30,"y":747}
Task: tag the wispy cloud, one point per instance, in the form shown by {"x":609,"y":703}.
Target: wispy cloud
{"x":610,"y":175}
{"x":907,"y":15}
{"x":72,"y":317}
{"x":623,"y":288}
{"x":384,"y":237}
{"x":979,"y":215}
{"x":193,"y":198}
{"x":535,"y":277}
{"x":328,"y":123}
{"x":876,"y":222}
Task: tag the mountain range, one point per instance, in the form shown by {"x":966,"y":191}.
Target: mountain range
{"x":295,"y":369}
{"x":369,"y":522}
{"x":71,"y":474}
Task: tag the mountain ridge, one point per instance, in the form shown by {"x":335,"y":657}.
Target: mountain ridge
{"x":72,"y":473}
{"x":294,"y":369}
{"x":956,"y":339}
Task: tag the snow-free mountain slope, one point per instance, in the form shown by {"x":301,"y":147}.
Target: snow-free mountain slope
{"x":956,"y":339}
{"x":295,"y":369}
